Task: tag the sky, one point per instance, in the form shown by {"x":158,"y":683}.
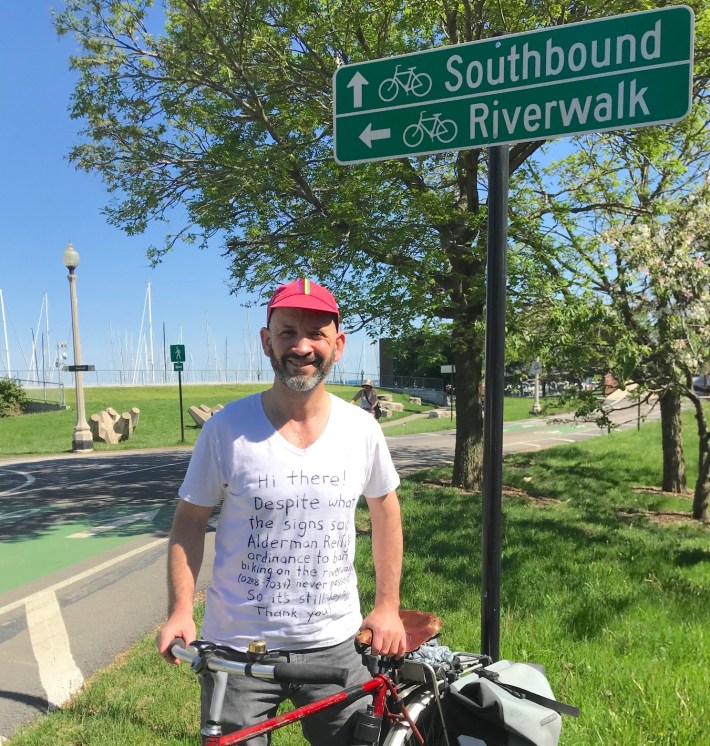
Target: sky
{"x":45,"y":203}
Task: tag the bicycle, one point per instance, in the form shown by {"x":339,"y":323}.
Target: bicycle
{"x":406,"y":696}
{"x":443,"y":130}
{"x":419,"y":85}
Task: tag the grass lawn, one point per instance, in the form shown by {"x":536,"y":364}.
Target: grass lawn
{"x":159,"y":424}
{"x":605,"y":581}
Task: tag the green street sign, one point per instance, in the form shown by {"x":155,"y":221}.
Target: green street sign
{"x":177,"y":366}
{"x":620,"y":72}
{"x":177,"y":354}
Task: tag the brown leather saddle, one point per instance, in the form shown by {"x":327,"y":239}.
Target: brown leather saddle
{"x":419,"y":627}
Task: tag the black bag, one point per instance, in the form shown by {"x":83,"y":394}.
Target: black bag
{"x":505,"y":704}
{"x":377,"y":410}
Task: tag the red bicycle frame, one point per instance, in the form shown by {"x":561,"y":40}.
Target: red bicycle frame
{"x":378,"y":687}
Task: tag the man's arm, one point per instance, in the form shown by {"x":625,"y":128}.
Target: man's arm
{"x":388,"y":636}
{"x":185,"y":551}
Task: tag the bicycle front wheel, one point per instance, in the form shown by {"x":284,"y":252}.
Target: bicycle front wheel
{"x":424,"y":711}
{"x":421,"y":84}
{"x":446,"y":130}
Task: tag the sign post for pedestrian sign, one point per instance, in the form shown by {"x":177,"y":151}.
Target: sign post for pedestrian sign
{"x":177,"y":358}
{"x":610,"y":73}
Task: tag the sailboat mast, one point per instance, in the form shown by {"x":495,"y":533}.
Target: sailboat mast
{"x":8,"y":367}
{"x":150,"y":332}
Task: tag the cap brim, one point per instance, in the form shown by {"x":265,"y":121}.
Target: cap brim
{"x":304,"y":301}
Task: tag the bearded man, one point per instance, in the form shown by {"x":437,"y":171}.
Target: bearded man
{"x":287,"y":467}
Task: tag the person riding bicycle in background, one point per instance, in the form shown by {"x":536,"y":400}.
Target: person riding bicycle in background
{"x":367,"y":396}
{"x":288,"y":467}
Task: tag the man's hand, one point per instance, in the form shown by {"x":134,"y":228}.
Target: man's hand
{"x":180,"y":624}
{"x":388,"y":635}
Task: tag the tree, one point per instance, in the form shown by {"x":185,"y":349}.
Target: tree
{"x":632,"y":211}
{"x":675,"y":255}
{"x":224,"y":112}
{"x":422,"y":352}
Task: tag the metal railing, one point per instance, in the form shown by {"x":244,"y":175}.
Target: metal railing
{"x":143,"y":377}
{"x":46,"y":392}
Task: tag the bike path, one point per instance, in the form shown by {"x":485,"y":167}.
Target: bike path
{"x":56,"y":513}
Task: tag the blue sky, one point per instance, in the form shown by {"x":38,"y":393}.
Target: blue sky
{"x":46,"y":203}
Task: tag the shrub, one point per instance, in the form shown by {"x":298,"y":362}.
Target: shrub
{"x":12,"y":398}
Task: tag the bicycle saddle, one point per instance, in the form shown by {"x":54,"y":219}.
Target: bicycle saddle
{"x":419,"y":627}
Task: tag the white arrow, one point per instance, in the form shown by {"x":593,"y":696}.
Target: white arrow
{"x":368,"y":135}
{"x":356,"y":83}
{"x":28,"y":481}
{"x":146,"y":517}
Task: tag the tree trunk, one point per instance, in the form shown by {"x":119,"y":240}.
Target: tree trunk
{"x":702,"y":488}
{"x":468,"y":456}
{"x":702,"y":485}
{"x":673,"y":459}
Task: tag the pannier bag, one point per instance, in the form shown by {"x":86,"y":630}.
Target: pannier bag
{"x":505,"y":704}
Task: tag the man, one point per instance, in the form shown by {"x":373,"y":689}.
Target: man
{"x":367,"y":396}
{"x":288,"y":467}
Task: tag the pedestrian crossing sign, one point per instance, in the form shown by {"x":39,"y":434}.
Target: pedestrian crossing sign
{"x":177,"y":353}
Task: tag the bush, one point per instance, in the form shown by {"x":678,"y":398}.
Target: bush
{"x":12,"y":398}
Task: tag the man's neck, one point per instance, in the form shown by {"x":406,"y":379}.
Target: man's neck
{"x":300,"y":416}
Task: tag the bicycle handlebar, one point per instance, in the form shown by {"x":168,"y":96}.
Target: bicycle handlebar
{"x":281,"y":671}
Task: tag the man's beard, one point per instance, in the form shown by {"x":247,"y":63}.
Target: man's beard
{"x":302,"y":381}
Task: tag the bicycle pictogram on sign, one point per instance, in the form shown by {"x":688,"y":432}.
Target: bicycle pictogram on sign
{"x":407,"y":81}
{"x":438,"y":129}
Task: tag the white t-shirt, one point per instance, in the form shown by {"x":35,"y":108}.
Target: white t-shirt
{"x":285,"y":542}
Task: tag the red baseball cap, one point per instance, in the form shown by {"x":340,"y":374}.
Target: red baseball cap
{"x":303,"y":293}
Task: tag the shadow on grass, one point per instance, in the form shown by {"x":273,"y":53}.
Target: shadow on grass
{"x":592,"y":566}
{"x":692,"y":557}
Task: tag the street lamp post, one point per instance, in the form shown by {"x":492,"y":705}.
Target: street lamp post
{"x":82,"y":442}
{"x":536,"y":369}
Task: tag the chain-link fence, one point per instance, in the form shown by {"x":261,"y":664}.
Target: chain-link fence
{"x":46,"y":392}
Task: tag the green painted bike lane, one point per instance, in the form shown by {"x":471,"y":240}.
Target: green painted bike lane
{"x":563,"y":427}
{"x":26,"y":559}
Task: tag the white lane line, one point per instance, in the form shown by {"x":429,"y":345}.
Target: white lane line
{"x":86,"y":574}
{"x":563,"y":440}
{"x":519,"y":445}
{"x":58,"y":672}
{"x":28,"y":481}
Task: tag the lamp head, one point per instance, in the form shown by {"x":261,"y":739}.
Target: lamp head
{"x":70,"y":257}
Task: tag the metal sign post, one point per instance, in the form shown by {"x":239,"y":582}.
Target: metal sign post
{"x":177,"y":358}
{"x":498,"y":160}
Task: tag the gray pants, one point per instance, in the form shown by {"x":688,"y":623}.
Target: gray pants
{"x":249,"y":701}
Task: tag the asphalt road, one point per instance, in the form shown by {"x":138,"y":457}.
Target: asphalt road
{"x":83,"y":542}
